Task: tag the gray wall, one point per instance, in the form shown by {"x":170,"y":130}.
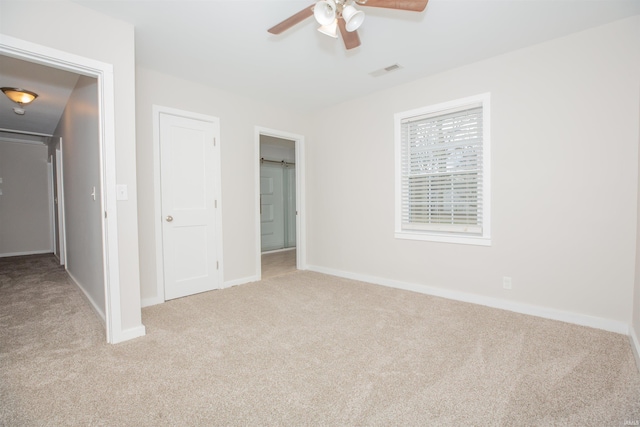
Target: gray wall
{"x":79,"y":129}
{"x":25,"y":224}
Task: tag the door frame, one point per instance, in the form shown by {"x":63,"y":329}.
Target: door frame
{"x":157,"y":110}
{"x":103,"y":73}
{"x":301,"y":235}
{"x":61,"y":221}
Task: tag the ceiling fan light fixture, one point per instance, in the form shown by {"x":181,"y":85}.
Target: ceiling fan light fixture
{"x":353,"y":18}
{"x":19,"y":96}
{"x":330,"y":29}
{"x":325,"y":12}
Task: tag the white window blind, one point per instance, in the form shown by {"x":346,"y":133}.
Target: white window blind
{"x":442,"y":171}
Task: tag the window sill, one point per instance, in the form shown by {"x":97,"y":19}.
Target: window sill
{"x":444,"y":238}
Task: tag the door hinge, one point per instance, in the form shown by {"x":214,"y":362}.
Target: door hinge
{"x":215,"y":204}
{"x":214,"y":142}
{"x":217,"y":265}
{"x":105,"y":214}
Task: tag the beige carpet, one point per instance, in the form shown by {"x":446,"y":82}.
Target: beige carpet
{"x":301,"y":349}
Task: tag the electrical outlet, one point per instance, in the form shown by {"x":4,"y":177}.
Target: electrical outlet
{"x":506,"y":282}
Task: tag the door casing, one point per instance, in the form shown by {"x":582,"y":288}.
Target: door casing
{"x":103,"y":72}
{"x":301,"y":235}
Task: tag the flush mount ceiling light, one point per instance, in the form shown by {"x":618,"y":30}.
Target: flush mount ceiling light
{"x":342,"y":14}
{"x":19,"y":96}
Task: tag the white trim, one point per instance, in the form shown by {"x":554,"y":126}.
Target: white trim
{"x":301,"y":223}
{"x":156,"y":110}
{"x":52,"y":207}
{"x":21,"y":141}
{"x":148,"y":302}
{"x":92,"y":303}
{"x":131,"y":333}
{"x":10,"y":254}
{"x":546,"y":313}
{"x":275,"y":251}
{"x":22,"y":132}
{"x":61,"y":215}
{"x":103,"y":72}
{"x":635,"y":345}
{"x":242,"y":281}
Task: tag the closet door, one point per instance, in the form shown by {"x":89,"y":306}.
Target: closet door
{"x":271,"y":207}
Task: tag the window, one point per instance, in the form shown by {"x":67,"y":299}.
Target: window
{"x":443,"y":171}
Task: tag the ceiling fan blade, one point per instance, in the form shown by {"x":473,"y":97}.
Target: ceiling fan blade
{"x":351,"y":39}
{"x":292,"y":20}
{"x":412,"y":5}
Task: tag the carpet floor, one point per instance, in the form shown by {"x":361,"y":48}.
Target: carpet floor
{"x":301,"y":349}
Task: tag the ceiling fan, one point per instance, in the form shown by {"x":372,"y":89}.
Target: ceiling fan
{"x":341,"y":14}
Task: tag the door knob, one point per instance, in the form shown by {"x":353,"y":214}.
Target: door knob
{"x":169,"y":218}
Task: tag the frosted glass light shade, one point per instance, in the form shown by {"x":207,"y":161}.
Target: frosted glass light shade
{"x":325,"y":12}
{"x":331,"y":29}
{"x":19,"y":96}
{"x":353,"y":18}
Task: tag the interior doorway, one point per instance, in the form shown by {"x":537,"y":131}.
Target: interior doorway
{"x":105,"y":195}
{"x":280,"y":196}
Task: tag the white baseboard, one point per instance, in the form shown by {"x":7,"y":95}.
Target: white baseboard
{"x":547,"y":313}
{"x":46,"y":251}
{"x":278,"y":250}
{"x":148,"y":302}
{"x":241,"y":281}
{"x":635,"y":345}
{"x":92,"y":303}
{"x":129,"y":334}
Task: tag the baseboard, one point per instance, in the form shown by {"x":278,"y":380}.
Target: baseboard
{"x":635,"y":345}
{"x":92,"y":303}
{"x":547,"y":313}
{"x":240,"y":281}
{"x":273,"y":251}
{"x":47,"y":251}
{"x":129,"y":334}
{"x":148,"y":302}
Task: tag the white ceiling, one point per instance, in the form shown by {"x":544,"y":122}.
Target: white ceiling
{"x":224,"y":43}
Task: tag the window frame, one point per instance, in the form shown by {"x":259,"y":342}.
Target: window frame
{"x":483,"y":238}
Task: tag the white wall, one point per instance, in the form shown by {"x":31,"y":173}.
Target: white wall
{"x":79,"y":129}
{"x":564,"y":123}
{"x":25,"y":224}
{"x":238,"y":118}
{"x":72,"y":28}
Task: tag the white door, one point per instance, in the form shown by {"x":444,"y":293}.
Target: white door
{"x":189,"y":205}
{"x":271,"y":207}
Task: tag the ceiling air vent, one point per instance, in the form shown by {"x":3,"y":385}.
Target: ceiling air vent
{"x":385,"y":70}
